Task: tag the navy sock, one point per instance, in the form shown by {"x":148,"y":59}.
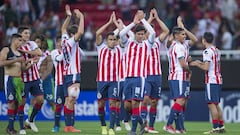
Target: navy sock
{"x":144,"y":112}
{"x":152,"y":116}
{"x":117,"y":116}
{"x":11,"y":119}
{"x":112,"y":117}
{"x":135,"y":118}
{"x":36,"y":108}
{"x":101,"y":115}
{"x":68,"y":116}
{"x":57,"y":115}
{"x":21,"y":116}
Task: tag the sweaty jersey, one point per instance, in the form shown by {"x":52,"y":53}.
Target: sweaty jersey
{"x":32,"y":73}
{"x":213,"y":75}
{"x":58,"y":65}
{"x":177,"y":51}
{"x":72,"y":55}
{"x":108,"y":62}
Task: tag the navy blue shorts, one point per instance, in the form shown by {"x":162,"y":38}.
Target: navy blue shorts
{"x":107,"y":90}
{"x":153,"y":85}
{"x":48,"y":88}
{"x":213,"y":93}
{"x":178,"y":89}
{"x":34,"y":87}
{"x":69,"y":80}
{"x":134,"y":88}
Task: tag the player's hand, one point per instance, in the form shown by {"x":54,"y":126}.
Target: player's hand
{"x":180,"y":22}
{"x":155,"y":14}
{"x":189,"y":59}
{"x":114,"y":17}
{"x":67,"y":10}
{"x":78,"y":13}
{"x":189,"y":75}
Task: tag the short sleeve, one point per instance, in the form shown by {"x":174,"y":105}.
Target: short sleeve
{"x":207,"y":56}
{"x":180,"y":51}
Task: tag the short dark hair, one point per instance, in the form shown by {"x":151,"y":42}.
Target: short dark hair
{"x":109,"y":34}
{"x":22,"y":28}
{"x":72,"y":29}
{"x":41,"y":37}
{"x":138,"y":28}
{"x":208,"y":36}
{"x":16,"y":35}
{"x":176,"y":30}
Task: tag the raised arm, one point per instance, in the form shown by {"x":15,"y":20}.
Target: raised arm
{"x":67,"y":20}
{"x":149,"y":28}
{"x":193,"y":38}
{"x":102,"y":28}
{"x":165,"y":30}
{"x":80,"y":31}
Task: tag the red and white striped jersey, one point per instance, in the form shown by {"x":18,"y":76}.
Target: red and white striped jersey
{"x":213,"y":75}
{"x":58,"y":65}
{"x":153,"y":62}
{"x":42,"y":58}
{"x":108,"y":62}
{"x":136,"y":58}
{"x":32,"y":73}
{"x":176,"y":51}
{"x":72,"y":55}
{"x":122,"y":67}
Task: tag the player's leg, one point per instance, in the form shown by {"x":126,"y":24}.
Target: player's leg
{"x":48,"y":91}
{"x":102,"y":95}
{"x":10,"y":93}
{"x":59,"y":102}
{"x":113,"y":97}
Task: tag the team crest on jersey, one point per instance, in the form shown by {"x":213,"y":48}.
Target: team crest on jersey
{"x":206,"y":52}
{"x":10,"y":96}
{"x":99,"y":95}
{"x":59,"y":100}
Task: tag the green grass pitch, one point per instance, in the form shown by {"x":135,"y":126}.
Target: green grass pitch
{"x":93,"y":128}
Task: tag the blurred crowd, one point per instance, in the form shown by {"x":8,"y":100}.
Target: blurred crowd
{"x":221,"y":17}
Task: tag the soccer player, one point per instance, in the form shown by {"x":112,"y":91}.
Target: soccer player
{"x":179,"y":73}
{"x":137,"y":52}
{"x":180,"y":128}
{"x":213,"y":80}
{"x":57,"y":58}
{"x":11,"y":59}
{"x":109,"y":58}
{"x":153,"y":80}
{"x":45,"y":67}
{"x":122,"y":67}
{"x":31,"y":79}
{"x":72,"y":65}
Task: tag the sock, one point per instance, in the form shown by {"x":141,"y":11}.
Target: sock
{"x":135,"y":118}
{"x":57,"y":115}
{"x":73,"y":117}
{"x":127,"y":115}
{"x":68,"y":116}
{"x":11,"y":119}
{"x":30,"y":109}
{"x":144,"y":112}
{"x":221,"y":123}
{"x":152,"y":116}
{"x":176,"y":108}
{"x":101,"y":115}
{"x":179,"y":121}
{"x":21,"y":116}
{"x":35,"y":110}
{"x":215,"y":123}
{"x":117,"y":117}
{"x":112,"y":117}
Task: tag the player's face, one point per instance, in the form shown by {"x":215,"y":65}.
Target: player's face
{"x":111,"y":41}
{"x":18,"y":42}
{"x":26,"y":34}
{"x":181,"y":36}
{"x":140,"y":36}
{"x":38,"y":42}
